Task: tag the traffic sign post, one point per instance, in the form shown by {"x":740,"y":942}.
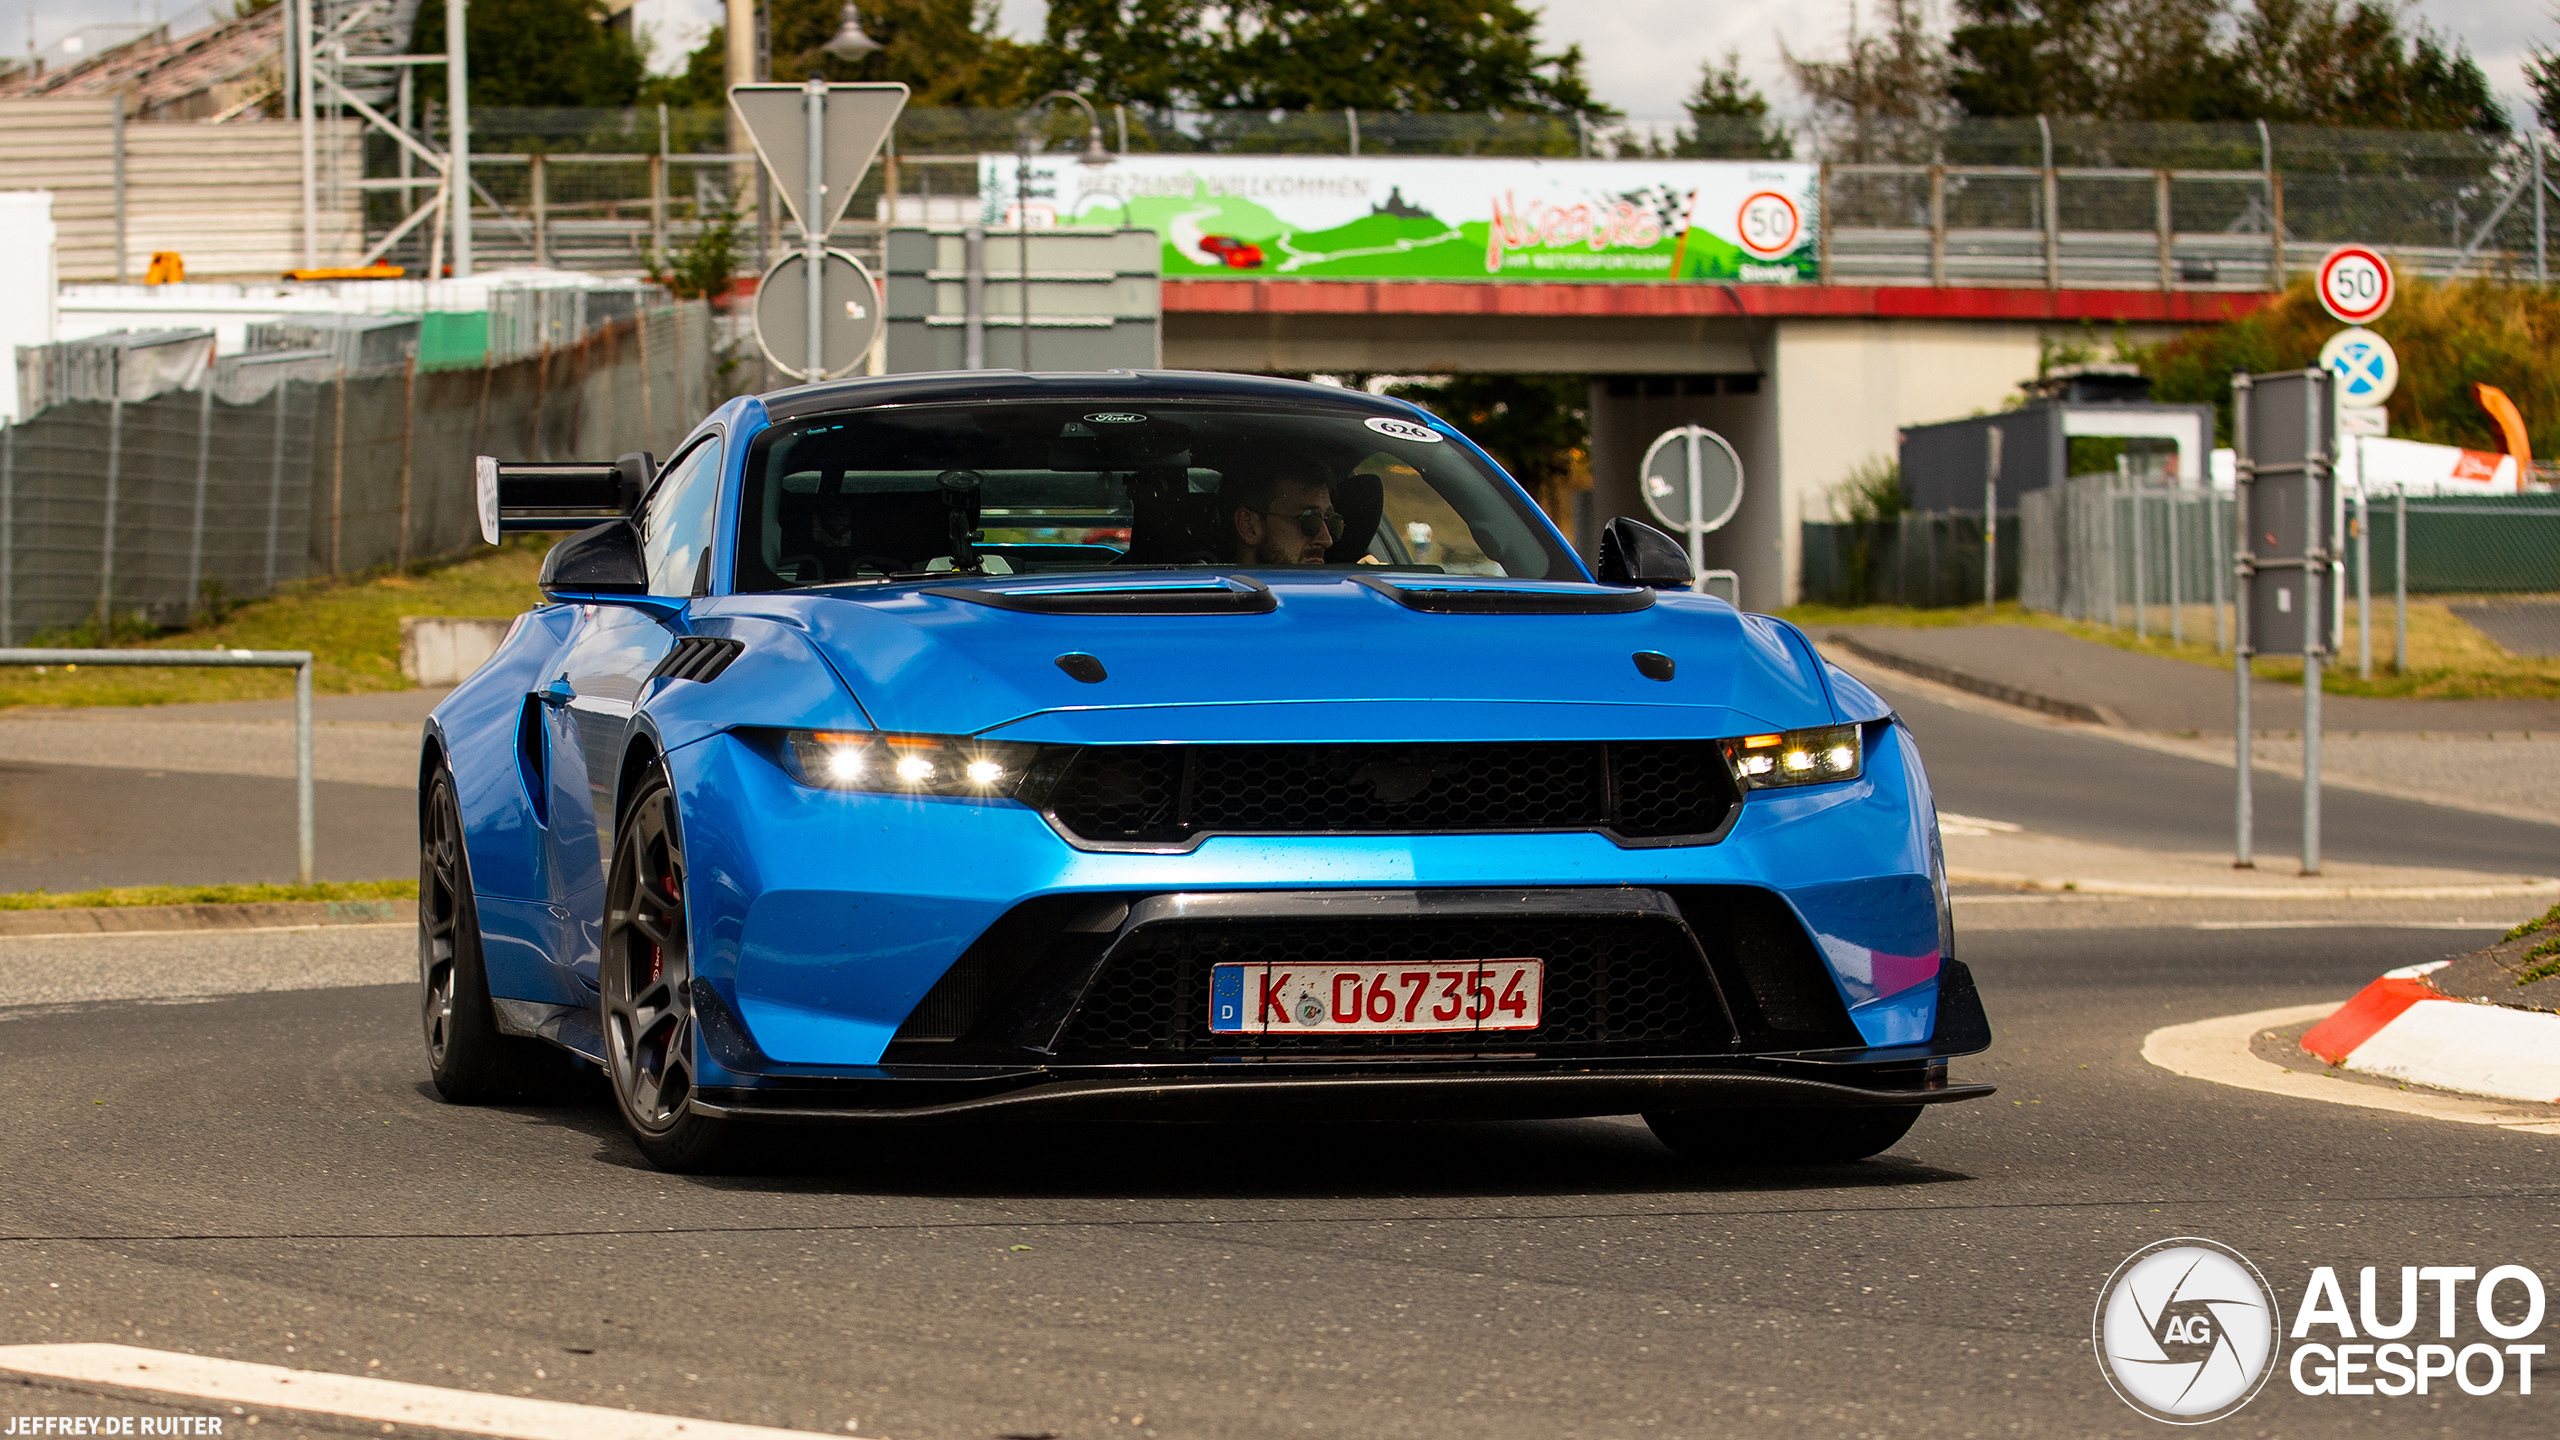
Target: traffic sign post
{"x":2367,"y":370}
{"x":2285,"y":431}
{"x":1692,"y":481}
{"x":817,"y":141}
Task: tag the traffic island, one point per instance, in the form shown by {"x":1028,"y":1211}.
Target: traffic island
{"x":2487,"y":1023}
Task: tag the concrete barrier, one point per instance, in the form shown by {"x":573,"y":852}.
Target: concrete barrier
{"x":445,"y":649}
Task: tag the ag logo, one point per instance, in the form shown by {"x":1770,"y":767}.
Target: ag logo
{"x":1403,"y":429}
{"x":2186,"y":1331}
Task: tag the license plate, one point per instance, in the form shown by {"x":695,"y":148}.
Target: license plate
{"x":1448,"y":995}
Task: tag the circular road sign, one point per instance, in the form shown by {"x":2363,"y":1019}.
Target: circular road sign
{"x":1768,"y":224}
{"x":849,"y":316}
{"x":2366,"y":367}
{"x":2355,"y":284}
{"x":1664,"y":478}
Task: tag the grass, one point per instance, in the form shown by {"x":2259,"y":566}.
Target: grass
{"x":351,"y":627}
{"x":2448,"y":659}
{"x":211,"y":894}
{"x":2544,"y":921}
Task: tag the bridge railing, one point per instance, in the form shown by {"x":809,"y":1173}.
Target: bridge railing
{"x":2064,"y":204}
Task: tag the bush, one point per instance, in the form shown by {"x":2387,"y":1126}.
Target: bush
{"x":2449,"y":336}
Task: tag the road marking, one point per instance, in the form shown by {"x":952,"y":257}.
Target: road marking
{"x":2352,"y":925}
{"x":390,"y":1402}
{"x":2218,"y":1050}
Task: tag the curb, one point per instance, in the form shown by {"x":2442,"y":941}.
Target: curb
{"x":2400,"y":1028}
{"x":2217,"y":1051}
{"x":2533,"y":885}
{"x":264,"y":915}
{"x":2080,"y":710}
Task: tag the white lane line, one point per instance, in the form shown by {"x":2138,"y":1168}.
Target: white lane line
{"x":2350,"y":925}
{"x":2218,"y":1050}
{"x":391,"y":1402}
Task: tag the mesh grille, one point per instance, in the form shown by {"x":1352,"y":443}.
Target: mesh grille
{"x":1611,"y":985}
{"x":1166,"y":794}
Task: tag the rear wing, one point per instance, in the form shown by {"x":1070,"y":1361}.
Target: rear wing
{"x":574,"y":495}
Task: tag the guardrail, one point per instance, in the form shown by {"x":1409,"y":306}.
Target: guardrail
{"x":298,"y":661}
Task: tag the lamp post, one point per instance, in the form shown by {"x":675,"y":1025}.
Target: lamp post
{"x":1093,"y":155}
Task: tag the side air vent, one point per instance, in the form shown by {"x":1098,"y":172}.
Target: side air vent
{"x":699,"y":658}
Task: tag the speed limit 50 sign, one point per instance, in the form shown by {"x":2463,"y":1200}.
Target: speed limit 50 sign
{"x":2355,"y":284}
{"x":1768,"y":224}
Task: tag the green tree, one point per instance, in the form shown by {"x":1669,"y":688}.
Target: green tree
{"x":1884,"y":96}
{"x":1415,"y":56}
{"x":947,"y":52}
{"x":2116,"y":59}
{"x":541,"y":52}
{"x":2318,"y":62}
{"x":1729,"y":117}
{"x":1538,"y":426}
{"x":2448,"y":335}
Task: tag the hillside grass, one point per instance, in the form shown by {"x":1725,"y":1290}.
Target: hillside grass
{"x":209,"y":894}
{"x":351,"y":627}
{"x":2448,"y":658}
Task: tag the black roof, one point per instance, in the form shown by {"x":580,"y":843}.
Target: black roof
{"x":1125,"y":385}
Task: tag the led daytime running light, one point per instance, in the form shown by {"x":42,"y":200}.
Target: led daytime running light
{"x":1797,"y":757}
{"x":944,"y":765}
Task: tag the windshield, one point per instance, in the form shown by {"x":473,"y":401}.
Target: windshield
{"x":1018,"y":487}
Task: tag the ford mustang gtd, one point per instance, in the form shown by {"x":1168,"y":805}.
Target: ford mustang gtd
{"x":1162,"y":745}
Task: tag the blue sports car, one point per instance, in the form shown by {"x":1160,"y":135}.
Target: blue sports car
{"x":999,"y":745}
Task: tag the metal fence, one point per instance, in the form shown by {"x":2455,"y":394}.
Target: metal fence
{"x":2157,"y":560}
{"x":2031,"y":203}
{"x":1916,"y":558}
{"x":113,"y":509}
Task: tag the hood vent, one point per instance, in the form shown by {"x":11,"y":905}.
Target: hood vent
{"x":1435,"y":597}
{"x":699,"y":658}
{"x":1204,"y":595}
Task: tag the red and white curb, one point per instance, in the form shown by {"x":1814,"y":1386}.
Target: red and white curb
{"x":2400,"y":1028}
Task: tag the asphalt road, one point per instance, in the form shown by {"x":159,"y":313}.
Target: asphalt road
{"x":267,"y":1177}
{"x":2084,"y":788}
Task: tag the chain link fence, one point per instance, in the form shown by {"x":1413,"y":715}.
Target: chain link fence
{"x":2155,"y":560}
{"x":273,"y":469}
{"x":1917,"y":558}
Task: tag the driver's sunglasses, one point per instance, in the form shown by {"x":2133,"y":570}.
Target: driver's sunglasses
{"x":1310,"y":519}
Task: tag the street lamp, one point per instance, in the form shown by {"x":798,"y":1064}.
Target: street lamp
{"x":1093,"y":155}
{"x":852,"y":42}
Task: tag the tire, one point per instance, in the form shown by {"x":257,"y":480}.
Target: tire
{"x":1827,"y":1136}
{"x":645,"y":975}
{"x":469,"y":1060}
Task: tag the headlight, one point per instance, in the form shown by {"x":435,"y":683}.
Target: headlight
{"x":907,"y":764}
{"x":1796,"y":757}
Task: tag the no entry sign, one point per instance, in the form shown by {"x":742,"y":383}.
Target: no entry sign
{"x":2355,"y":284}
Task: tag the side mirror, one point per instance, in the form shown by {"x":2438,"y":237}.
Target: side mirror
{"x":1634,"y":553}
{"x":602,"y":566}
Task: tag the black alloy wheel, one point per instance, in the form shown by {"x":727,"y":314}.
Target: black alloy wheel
{"x":468,"y":1058}
{"x":647,"y":983}
{"x":1827,"y":1136}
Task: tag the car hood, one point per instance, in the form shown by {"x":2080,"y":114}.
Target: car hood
{"x":1332,"y":656}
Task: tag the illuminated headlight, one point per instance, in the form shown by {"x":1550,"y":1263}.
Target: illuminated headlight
{"x":1796,"y":757}
{"x":951,"y":765}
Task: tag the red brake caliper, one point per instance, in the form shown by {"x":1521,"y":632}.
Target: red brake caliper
{"x":658,"y":956}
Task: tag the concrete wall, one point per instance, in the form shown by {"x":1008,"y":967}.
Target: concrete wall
{"x":1628,"y":411}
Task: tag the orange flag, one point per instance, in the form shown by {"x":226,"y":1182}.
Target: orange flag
{"x":2510,"y":424}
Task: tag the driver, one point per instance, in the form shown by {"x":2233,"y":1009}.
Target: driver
{"x":831,"y":535}
{"x":1280,"y":512}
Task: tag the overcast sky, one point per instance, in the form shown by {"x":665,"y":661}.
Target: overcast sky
{"x":1642,"y":55}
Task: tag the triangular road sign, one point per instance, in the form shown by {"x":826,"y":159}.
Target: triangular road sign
{"x":857,"y":121}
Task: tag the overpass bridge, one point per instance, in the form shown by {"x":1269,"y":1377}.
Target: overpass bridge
{"x":1807,"y":381}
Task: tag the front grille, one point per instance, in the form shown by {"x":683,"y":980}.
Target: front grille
{"x":1612,"y":985}
{"x":1170,"y":794}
